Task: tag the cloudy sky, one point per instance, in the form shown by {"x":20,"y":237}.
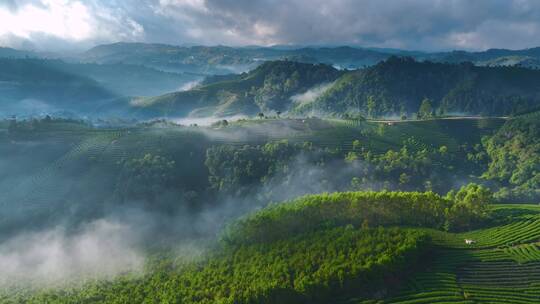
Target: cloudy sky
{"x":409,"y":24}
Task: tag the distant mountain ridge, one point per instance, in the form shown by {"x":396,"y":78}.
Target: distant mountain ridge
{"x":396,"y":86}
{"x":14,"y":53}
{"x":211,"y":60}
{"x":223,"y":59}
{"x":298,"y":80}
{"x":34,"y":85}
{"x":29,"y":86}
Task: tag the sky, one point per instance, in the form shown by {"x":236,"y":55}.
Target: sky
{"x":428,"y":25}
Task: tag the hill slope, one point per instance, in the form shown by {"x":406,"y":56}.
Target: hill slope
{"x":6,"y":52}
{"x":267,"y":88}
{"x":127,"y":80}
{"x":398,"y":85}
{"x":224,"y":60}
{"x":321,"y":249}
{"x":32,"y":86}
{"x":393,"y":87}
{"x":515,"y":158}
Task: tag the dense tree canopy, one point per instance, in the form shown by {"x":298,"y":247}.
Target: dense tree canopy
{"x":399,"y":85}
{"x":514,"y":153}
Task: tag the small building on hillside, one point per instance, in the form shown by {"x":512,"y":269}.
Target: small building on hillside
{"x":469,"y":241}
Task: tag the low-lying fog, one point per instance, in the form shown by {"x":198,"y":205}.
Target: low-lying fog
{"x":206,"y":121}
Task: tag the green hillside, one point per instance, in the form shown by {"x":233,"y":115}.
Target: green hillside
{"x":267,"y":88}
{"x":514,"y":151}
{"x":398,"y":85}
{"x":394,"y":87}
{"x":349,"y":247}
{"x":502,"y":267}
{"x":237,"y":160}
{"x":325,"y":251}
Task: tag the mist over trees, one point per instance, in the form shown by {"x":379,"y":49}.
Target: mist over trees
{"x":265,"y":175}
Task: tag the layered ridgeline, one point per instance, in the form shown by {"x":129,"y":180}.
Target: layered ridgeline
{"x":128,"y":80}
{"x":42,"y":86}
{"x":223,"y":60}
{"x":30,"y":86}
{"x":6,"y":52}
{"x":492,"y":57}
{"x":269,"y":87}
{"x":397,"y":86}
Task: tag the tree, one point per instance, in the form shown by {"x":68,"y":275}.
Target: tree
{"x":278,"y":113}
{"x":371,"y":106}
{"x":475,"y":197}
{"x":426,"y":109}
{"x":356,"y":145}
{"x":351,"y":157}
{"x":404,"y":178}
{"x":470,"y":205}
{"x":145,"y":178}
{"x":260,"y":115}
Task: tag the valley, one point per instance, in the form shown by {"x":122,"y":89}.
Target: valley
{"x":269,"y":152}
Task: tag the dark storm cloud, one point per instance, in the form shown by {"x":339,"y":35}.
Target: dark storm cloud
{"x":411,"y":24}
{"x":393,"y":23}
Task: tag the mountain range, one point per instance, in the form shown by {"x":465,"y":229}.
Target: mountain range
{"x":156,"y":80}
{"x":396,"y":86}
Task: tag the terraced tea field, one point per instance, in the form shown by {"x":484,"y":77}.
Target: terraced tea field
{"x":377,"y":136}
{"x":87,"y":149}
{"x":502,"y":266}
{"x":85,"y":144}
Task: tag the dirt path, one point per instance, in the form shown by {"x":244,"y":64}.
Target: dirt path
{"x":437,"y":118}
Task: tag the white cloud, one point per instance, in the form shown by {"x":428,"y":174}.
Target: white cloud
{"x":198,"y":5}
{"x":101,"y":249}
{"x":58,"y":18}
{"x":412,"y":24}
{"x":47,"y":22}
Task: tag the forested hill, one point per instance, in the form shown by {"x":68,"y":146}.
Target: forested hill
{"x":396,"y":86}
{"x":35,"y":85}
{"x":269,"y":87}
{"x":490,"y":55}
{"x":222,"y":59}
{"x":515,"y":158}
{"x":399,"y":85}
